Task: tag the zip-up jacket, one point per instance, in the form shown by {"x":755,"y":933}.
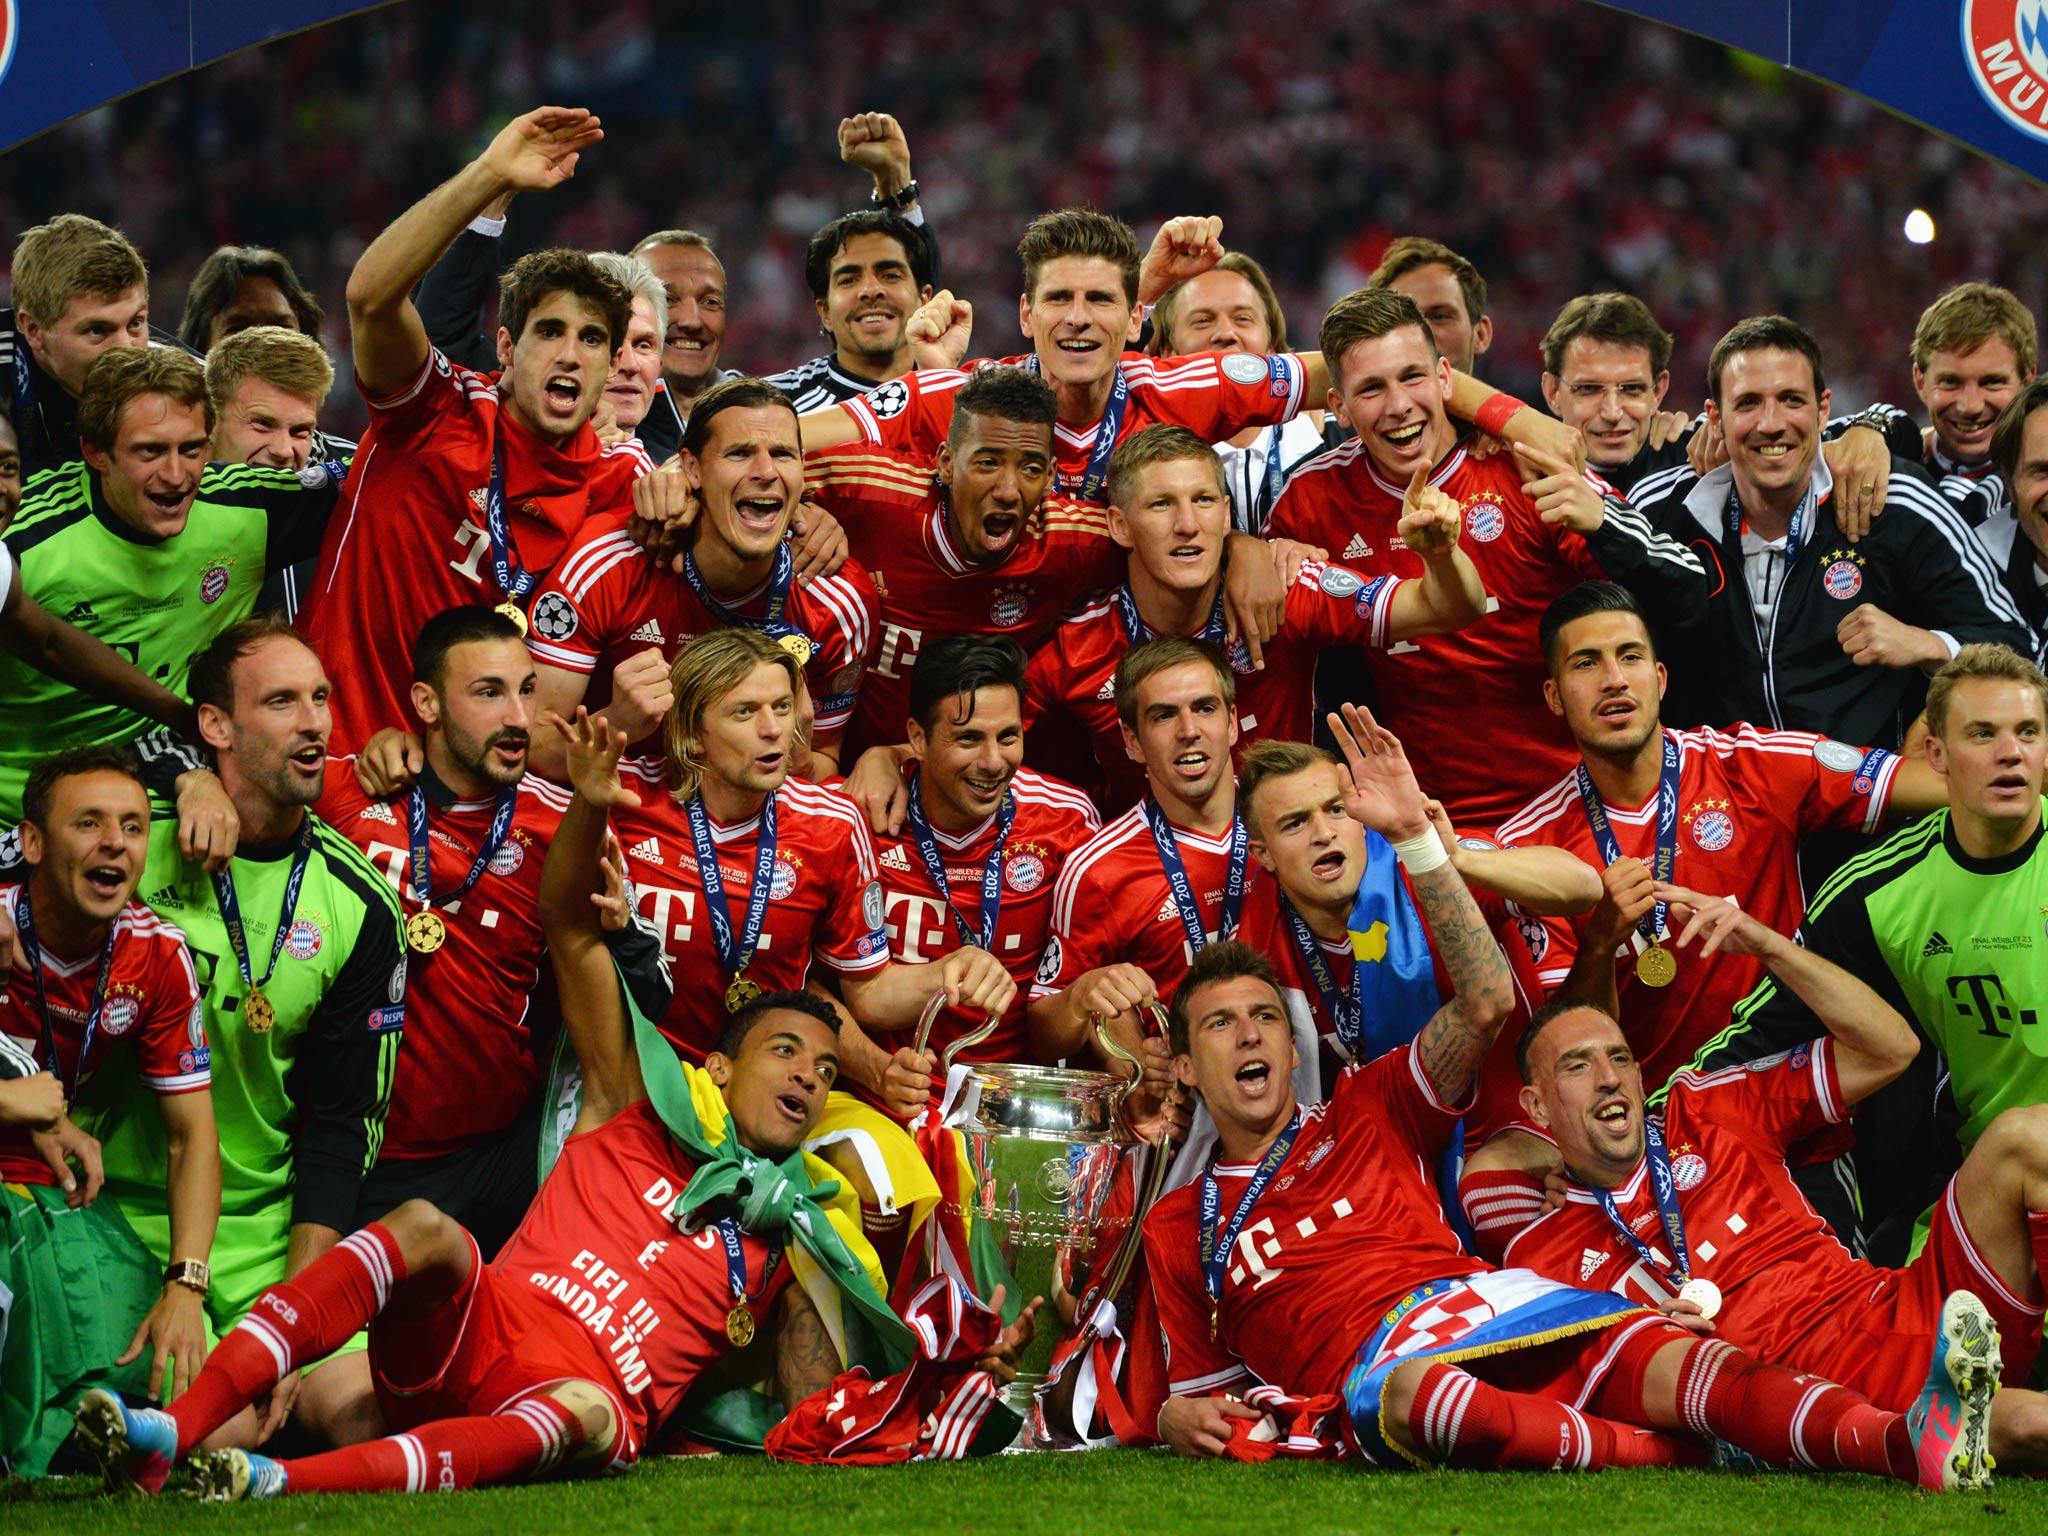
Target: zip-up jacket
{"x":1919,"y":563}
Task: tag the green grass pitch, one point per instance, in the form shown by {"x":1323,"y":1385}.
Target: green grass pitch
{"x":1117,"y":1491}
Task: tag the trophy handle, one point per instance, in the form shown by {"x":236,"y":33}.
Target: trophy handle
{"x":1110,"y":1048}
{"x":925,"y":1019}
{"x":972,"y":1037}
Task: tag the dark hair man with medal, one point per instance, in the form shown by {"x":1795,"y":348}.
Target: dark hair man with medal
{"x":466,"y":488}
{"x":1692,"y":1208}
{"x":100,"y":978}
{"x":464,"y":844}
{"x":299,"y":957}
{"x":982,"y":846}
{"x":1313,"y":1252}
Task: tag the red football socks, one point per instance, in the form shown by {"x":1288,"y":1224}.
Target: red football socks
{"x":292,"y":1324}
{"x":527,"y":1439}
{"x":1459,"y":1420}
{"x":1788,"y":1419}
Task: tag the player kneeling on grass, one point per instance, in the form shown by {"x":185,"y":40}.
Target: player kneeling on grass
{"x":1313,"y":1255}
{"x":1694,"y":1211}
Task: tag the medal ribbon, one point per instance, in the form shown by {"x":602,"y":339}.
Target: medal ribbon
{"x":1137,"y":631}
{"x":736,"y":1260}
{"x":1216,"y":1248}
{"x":513,"y":578}
{"x":991,"y":869}
{"x":231,"y":909}
{"x":771,"y":623}
{"x":1651,"y":924}
{"x":422,"y":872}
{"x":1795,"y":532}
{"x":734,"y":957}
{"x":1184,"y":893}
{"x":1107,"y":430}
{"x":1346,"y":1009}
{"x":1665,"y":1189}
{"x":32,"y":955}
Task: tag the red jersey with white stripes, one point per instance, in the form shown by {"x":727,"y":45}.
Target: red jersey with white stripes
{"x":1075,"y":672}
{"x":825,"y":899}
{"x":152,"y":1007}
{"x":1349,"y":1226}
{"x":1214,"y":394}
{"x":1782,"y":1272}
{"x":1498,"y":1102}
{"x":410,"y":538}
{"x":1112,"y":904}
{"x":1053,"y":819}
{"x":608,"y":599}
{"x":600,"y":1246}
{"x":894,"y":513}
{"x":471,"y":1064}
{"x":1745,"y":799}
{"x":1468,"y":706}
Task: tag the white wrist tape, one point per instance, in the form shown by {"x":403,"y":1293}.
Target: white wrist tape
{"x":1422,"y":853}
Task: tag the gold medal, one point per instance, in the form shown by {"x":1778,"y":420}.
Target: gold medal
{"x":258,"y":1013}
{"x":1703,"y":1294}
{"x":1655,"y":967}
{"x":739,"y":1325}
{"x":737,"y":996}
{"x":425,"y":932}
{"x":515,"y":613}
{"x":798,"y":646}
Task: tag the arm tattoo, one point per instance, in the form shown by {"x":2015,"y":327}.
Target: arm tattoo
{"x":1457,"y":1038}
{"x":805,"y":1361}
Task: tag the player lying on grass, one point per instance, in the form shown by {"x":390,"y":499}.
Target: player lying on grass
{"x":1696,"y":1214}
{"x":611,"y":1299}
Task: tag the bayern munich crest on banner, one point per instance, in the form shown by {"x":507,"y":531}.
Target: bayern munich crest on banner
{"x":2006,"y":43}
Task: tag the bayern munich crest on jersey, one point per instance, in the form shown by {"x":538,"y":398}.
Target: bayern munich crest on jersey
{"x":890,"y":399}
{"x":554,"y":616}
{"x":1843,"y":580}
{"x":1712,"y":831}
{"x":214,"y":583}
{"x":1009,"y":607}
{"x":303,"y":942}
{"x":783,"y":881}
{"x":507,"y":859}
{"x":1687,"y":1169}
{"x":2006,"y":45}
{"x":120,"y":1014}
{"x":1024,"y":872}
{"x":1485,"y":521}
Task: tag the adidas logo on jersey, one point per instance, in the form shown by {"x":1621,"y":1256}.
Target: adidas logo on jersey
{"x":1169,"y":910}
{"x":647,"y":848}
{"x":1357,"y":549}
{"x":1107,"y":690}
{"x":649,"y":632}
{"x":894,"y":857}
{"x":167,"y":897}
{"x":377,"y":810}
{"x":1590,"y":1262}
{"x":80,"y":613}
{"x":1936,"y":945}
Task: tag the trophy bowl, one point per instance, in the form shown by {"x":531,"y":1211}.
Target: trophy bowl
{"x":1043,"y":1145}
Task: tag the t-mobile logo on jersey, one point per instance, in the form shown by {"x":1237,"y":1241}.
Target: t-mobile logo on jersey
{"x":898,"y":651}
{"x":475,"y":544}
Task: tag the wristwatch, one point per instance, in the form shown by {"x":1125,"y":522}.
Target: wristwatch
{"x":190,"y":1273}
{"x":897,"y":201}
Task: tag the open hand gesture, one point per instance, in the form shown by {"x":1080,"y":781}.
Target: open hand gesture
{"x":1379,"y":786}
{"x":591,"y":751}
{"x":539,"y":149}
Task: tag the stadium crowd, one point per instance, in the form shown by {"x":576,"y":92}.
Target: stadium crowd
{"x":505,"y":904}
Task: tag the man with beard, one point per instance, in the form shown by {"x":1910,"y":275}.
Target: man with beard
{"x":467,"y":489}
{"x":614,"y":609}
{"x":464,"y":847}
{"x":298,"y":950}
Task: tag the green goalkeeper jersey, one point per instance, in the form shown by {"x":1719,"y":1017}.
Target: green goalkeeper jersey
{"x":301,"y":1105}
{"x":157,"y":602}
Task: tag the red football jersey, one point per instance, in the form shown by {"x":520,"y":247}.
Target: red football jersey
{"x":599,"y":1244}
{"x":1782,"y":1272}
{"x":825,"y":899}
{"x":409,"y":538}
{"x":1350,"y":1225}
{"x":1074,"y":673}
{"x":1214,"y":394}
{"x":152,"y":1005}
{"x":470,"y":1064}
{"x":1112,"y":904}
{"x":1468,"y":706}
{"x":1746,"y":797}
{"x":1053,"y":819}
{"x":606,"y":601}
{"x":896,"y":527}
{"x":1498,"y":1101}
